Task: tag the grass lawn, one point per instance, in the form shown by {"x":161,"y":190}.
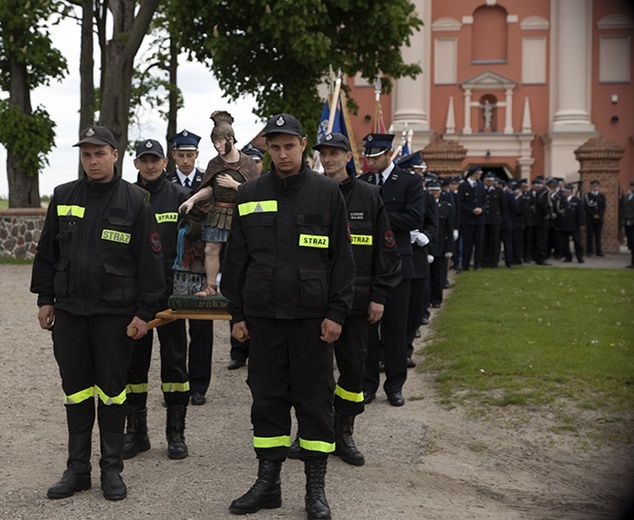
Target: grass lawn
{"x":533,"y":336}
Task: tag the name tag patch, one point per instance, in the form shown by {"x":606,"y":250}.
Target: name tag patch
{"x":116,"y":236}
{"x":166,"y":217}
{"x":319,"y":241}
{"x":361,"y":240}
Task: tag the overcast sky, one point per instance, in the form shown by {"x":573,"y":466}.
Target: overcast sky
{"x":201,"y":94}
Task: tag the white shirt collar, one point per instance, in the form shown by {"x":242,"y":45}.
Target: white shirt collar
{"x":386,"y":173}
{"x":182,"y":176}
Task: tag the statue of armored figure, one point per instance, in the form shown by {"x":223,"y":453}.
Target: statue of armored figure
{"x":217,"y":194}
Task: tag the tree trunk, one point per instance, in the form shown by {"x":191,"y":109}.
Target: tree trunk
{"x":23,"y":189}
{"x":86,"y":70}
{"x":172,"y":122}
{"x":128,"y":33}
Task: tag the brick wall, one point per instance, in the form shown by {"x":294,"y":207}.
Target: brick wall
{"x":20,"y":230}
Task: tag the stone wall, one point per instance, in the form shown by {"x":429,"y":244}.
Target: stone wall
{"x":20,"y":230}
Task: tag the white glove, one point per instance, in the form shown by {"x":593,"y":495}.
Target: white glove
{"x":422,"y":240}
{"x":430,"y":259}
{"x":413,"y":234}
{"x":455,"y":235}
{"x":448,"y":254}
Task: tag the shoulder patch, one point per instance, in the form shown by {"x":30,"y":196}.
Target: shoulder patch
{"x":388,"y":239}
{"x":155,"y":242}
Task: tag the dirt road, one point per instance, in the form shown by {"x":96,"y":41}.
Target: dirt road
{"x":424,"y":461}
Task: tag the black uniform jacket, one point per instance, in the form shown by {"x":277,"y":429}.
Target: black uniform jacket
{"x":594,"y":207}
{"x":570,"y":212}
{"x":469,"y":198}
{"x":495,"y":206}
{"x":100,"y":251}
{"x":165,"y":198}
{"x":403,"y":197}
{"x":376,"y":258}
{"x":542,"y":208}
{"x":289,"y":254}
{"x":196,"y":180}
{"x":443,"y":243}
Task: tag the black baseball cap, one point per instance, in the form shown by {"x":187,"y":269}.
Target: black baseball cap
{"x":336,"y":140}
{"x":283,"y":124}
{"x":99,"y":135}
{"x":150,"y":146}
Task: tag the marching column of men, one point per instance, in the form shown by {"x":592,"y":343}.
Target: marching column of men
{"x":357,"y":261}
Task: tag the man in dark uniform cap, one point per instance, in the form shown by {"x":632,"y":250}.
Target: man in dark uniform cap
{"x":472,"y":204}
{"x":594,"y":208}
{"x":378,"y":270}
{"x":98,"y":271}
{"x":184,"y":147}
{"x":541,"y":212}
{"x":495,"y":207}
{"x":165,"y":198}
{"x":570,"y":212}
{"x":403,"y":196}
{"x":289,"y":277}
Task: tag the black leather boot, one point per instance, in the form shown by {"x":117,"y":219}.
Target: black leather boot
{"x":175,"y":431}
{"x":345,"y":447}
{"x":266,"y":493}
{"x":76,"y":477}
{"x":316,"y":504}
{"x":136,"y":437}
{"x":111,"y":464}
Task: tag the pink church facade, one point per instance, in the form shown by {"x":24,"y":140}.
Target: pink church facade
{"x":520,"y":85}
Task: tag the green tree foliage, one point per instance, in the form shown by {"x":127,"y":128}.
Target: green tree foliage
{"x":27,"y":60}
{"x":281,"y":51}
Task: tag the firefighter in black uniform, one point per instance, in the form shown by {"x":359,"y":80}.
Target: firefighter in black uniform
{"x":184,"y":147}
{"x":571,"y":217}
{"x":289,"y":277}
{"x":165,"y":197}
{"x":378,"y":270}
{"x":472,"y":200}
{"x":594,"y":208}
{"x":403,"y":195}
{"x":541,"y":212}
{"x":97,"y":272}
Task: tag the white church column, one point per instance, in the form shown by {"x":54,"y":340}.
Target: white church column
{"x":572,"y":65}
{"x":410,"y":99}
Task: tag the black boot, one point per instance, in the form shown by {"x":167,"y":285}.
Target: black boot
{"x":76,"y":477}
{"x":111,"y":464}
{"x":345,"y":447}
{"x":266,"y":493}
{"x":316,"y":504}
{"x":175,"y":431}
{"x":136,"y":438}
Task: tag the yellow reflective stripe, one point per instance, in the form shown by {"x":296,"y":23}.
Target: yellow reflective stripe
{"x":71,"y":211}
{"x":116,"y":236}
{"x":79,"y":397}
{"x":319,"y":241}
{"x":355,"y":397}
{"x":259,"y":206}
{"x":171,"y":216}
{"x":321,"y":446}
{"x":272,"y":442}
{"x":107,"y":400}
{"x":361,"y":240}
{"x":175,"y":387}
{"x":140,"y":388}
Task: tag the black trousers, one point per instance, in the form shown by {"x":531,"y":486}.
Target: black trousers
{"x":289,"y":366}
{"x":541,"y":243}
{"x":175,"y":384}
{"x":419,"y":300}
{"x":529,"y":244}
{"x":565,"y":237}
{"x":437,"y":277}
{"x":629,"y":234}
{"x":350,"y":352}
{"x":593,"y":236}
{"x":519,"y":254}
{"x":472,"y":239}
{"x":393,"y":332}
{"x":491,"y":245}
{"x":93,"y":354}
{"x":201,"y":344}
{"x":506,"y":237}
